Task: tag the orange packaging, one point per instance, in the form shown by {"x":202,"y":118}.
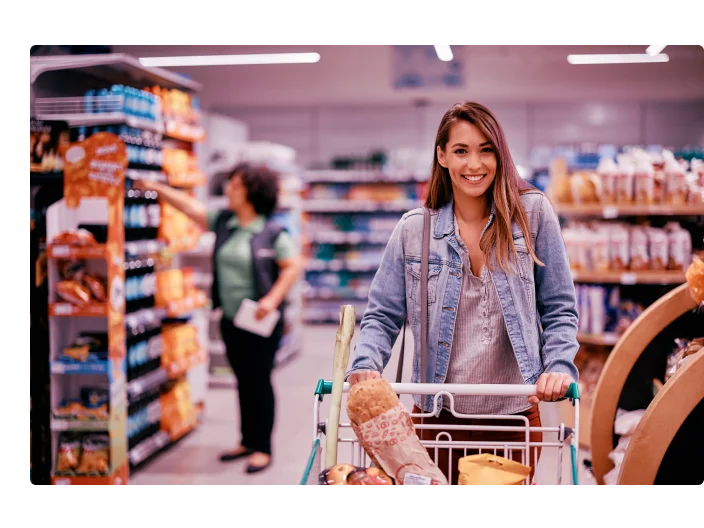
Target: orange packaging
{"x":169,"y":287}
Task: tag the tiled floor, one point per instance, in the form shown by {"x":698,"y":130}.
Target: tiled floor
{"x":194,"y":460}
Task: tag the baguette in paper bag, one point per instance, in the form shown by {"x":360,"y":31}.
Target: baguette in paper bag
{"x":386,"y":432}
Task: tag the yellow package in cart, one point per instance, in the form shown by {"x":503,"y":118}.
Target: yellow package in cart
{"x":487,"y":469}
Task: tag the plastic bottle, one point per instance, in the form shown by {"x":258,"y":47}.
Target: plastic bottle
{"x":88,"y":101}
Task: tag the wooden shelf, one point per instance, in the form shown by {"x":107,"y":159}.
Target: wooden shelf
{"x":64,"y":309}
{"x":629,"y":277}
{"x":619,"y":365}
{"x":63,"y":251}
{"x":661,"y":421}
{"x":625,"y":210}
{"x":119,"y":476}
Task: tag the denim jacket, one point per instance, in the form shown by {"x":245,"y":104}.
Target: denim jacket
{"x":538,"y":302}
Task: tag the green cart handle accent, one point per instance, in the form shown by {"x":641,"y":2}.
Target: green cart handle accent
{"x":324,"y":387}
{"x":573,"y":456}
{"x":311,"y":459}
{"x":572,"y":392}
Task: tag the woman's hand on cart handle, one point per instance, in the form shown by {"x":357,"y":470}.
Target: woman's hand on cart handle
{"x":551,"y":387}
{"x":363,"y":375}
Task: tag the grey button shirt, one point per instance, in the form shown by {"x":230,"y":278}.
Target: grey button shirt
{"x":481,"y":349}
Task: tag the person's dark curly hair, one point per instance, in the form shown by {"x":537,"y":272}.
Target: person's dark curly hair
{"x":262,"y":186}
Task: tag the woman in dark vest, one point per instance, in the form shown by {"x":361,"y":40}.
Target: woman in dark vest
{"x":255,"y":259}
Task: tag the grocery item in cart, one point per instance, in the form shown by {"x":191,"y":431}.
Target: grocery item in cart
{"x":386,"y":432}
{"x":488,"y":469}
{"x":347,"y":474}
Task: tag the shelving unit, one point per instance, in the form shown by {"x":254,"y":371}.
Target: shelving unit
{"x":626,"y":210}
{"x":610,"y":386}
{"x":628,"y":277}
{"x":55,"y":83}
{"x":350,"y":216}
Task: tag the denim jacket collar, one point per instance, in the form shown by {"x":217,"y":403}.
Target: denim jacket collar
{"x":446,"y":218}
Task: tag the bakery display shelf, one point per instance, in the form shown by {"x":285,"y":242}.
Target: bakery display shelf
{"x":63,"y":251}
{"x":629,"y":277}
{"x":625,"y":210}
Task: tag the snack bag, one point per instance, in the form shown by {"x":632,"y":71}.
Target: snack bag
{"x":487,"y":469}
{"x":679,"y":249}
{"x":386,"y":432}
{"x":608,"y":171}
{"x":96,"y":285}
{"x":619,"y":249}
{"x":78,"y":237}
{"x":624,"y":181}
{"x":71,"y":409}
{"x":695,"y":279}
{"x":73,"y":292}
{"x":644,"y":182}
{"x":96,"y":454}
{"x":69,"y":453}
{"x":95,"y":403}
{"x":675,"y":181}
{"x":600,"y":250}
{"x":71,"y":269}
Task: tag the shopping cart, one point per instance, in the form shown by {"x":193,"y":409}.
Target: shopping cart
{"x":350,"y":450}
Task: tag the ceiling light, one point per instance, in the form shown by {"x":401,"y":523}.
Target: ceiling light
{"x":654,"y":50}
{"x":617,"y":58}
{"x":444,"y":53}
{"x":232,"y":60}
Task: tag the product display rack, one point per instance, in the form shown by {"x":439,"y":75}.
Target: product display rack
{"x":350,"y":215}
{"x":104,"y":204}
{"x":668,"y":410}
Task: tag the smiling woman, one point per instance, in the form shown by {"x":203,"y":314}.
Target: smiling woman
{"x":501,"y":301}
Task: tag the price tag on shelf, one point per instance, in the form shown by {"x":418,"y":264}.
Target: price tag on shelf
{"x":61,"y":251}
{"x":63,"y":309}
{"x":609,"y":212}
{"x":58,"y":368}
{"x":629,"y":278}
{"x":59,"y":425}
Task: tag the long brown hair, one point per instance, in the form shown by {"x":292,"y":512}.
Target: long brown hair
{"x":506,"y":188}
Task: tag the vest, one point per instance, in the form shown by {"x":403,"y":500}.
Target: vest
{"x":266,"y":271}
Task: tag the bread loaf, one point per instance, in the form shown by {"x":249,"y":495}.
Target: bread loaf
{"x":386,"y":432}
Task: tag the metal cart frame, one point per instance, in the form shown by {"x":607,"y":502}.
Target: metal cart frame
{"x":561,"y":436}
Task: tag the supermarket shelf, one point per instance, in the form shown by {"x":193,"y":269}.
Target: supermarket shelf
{"x":148,"y":447}
{"x":184,"y":132}
{"x":118,"y":476}
{"x":629,"y":277}
{"x":146,"y":175}
{"x":355,"y":176}
{"x":145,"y":316}
{"x":112,"y":67}
{"x":98,"y":367}
{"x":356,"y":206}
{"x":73,"y":252}
{"x":608,"y":339}
{"x":63,"y":309}
{"x":139,"y":386}
{"x":46,"y":110}
{"x":187,"y":305}
{"x":59,"y":424}
{"x":339,"y":265}
{"x":337,"y":293}
{"x":284,"y":203}
{"x":342,"y":237}
{"x":144,"y":247}
{"x":216,"y":348}
{"x":624,"y":210}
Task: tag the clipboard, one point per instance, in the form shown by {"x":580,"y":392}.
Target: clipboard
{"x":246,"y":320}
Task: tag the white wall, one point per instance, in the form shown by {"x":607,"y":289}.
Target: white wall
{"x":318,"y":134}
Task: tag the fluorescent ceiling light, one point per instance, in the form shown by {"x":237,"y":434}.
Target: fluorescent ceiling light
{"x":654,"y":50}
{"x":617,"y":59}
{"x":444,"y":53}
{"x":231,"y":60}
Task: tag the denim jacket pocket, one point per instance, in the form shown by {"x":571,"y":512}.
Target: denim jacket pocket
{"x":413,"y":280}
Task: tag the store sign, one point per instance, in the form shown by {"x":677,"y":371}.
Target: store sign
{"x":418,"y":67}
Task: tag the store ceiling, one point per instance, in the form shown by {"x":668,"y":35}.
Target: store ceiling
{"x":362,"y":75}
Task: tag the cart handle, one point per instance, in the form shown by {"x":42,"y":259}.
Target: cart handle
{"x":325,"y":387}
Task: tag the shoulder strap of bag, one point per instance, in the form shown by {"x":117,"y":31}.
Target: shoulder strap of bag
{"x":424,"y":305}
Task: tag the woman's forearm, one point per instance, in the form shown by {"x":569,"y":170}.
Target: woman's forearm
{"x":188,"y":205}
{"x":287,"y":278}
